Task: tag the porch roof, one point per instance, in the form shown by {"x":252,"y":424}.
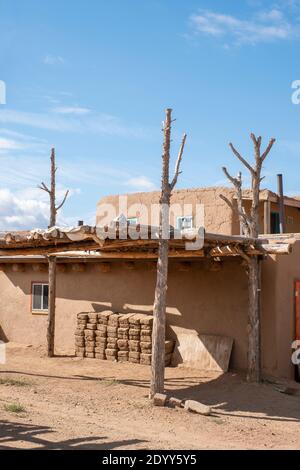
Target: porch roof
{"x":135,"y":241}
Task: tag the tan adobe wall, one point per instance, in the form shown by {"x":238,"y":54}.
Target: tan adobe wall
{"x":278,"y":302}
{"x":217,"y":215}
{"x":198,"y":299}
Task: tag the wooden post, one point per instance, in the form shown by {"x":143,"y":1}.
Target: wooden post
{"x":250,"y":223}
{"x":51,"y":306}
{"x":159,"y":308}
{"x":267,"y":217}
{"x":52,"y":259}
{"x":281,"y":204}
{"x":254,"y":336}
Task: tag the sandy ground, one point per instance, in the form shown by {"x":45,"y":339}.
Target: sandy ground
{"x":73,"y":403}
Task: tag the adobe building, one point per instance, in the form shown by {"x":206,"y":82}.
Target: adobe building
{"x":143,"y":208}
{"x":207,"y":294}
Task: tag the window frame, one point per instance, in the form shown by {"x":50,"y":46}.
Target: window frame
{"x":274,"y":222}
{"x":131,"y":219}
{"x":40,"y":311}
{"x":181,"y":217}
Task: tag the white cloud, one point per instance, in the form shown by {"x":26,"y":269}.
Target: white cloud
{"x":8,"y":144}
{"x":53,"y":59}
{"x":263,"y":27}
{"x":29,"y":208}
{"x":17,"y":213}
{"x":140,"y":183}
{"x":93,"y":122}
{"x":71,"y":110}
{"x":15,"y":141}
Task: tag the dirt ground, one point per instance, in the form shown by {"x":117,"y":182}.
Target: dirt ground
{"x":73,"y":403}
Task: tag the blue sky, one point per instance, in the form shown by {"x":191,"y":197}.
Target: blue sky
{"x":92,"y":78}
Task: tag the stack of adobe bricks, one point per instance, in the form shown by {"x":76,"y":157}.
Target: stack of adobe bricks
{"x":117,"y":337}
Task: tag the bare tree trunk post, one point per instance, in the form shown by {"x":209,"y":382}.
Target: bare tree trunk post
{"x":250,"y":227}
{"x":254,"y":337}
{"x":52,"y":259}
{"x":159,"y":308}
{"x":52,"y":191}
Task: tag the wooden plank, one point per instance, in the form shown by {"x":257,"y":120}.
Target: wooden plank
{"x":203,"y":352}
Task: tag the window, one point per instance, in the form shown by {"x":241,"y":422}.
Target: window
{"x":132,"y":220}
{"x":40,"y":297}
{"x":289,"y":220}
{"x":184,"y":222}
{"x":275,"y":225}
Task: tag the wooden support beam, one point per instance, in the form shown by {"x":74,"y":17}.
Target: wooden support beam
{"x":48,"y":249}
{"x":281,"y":204}
{"x":267,"y":217}
{"x":78,"y":267}
{"x":129,"y":265}
{"x":103,"y":267}
{"x":39,"y":267}
{"x":215,"y":266}
{"x":184,"y":266}
{"x":61,"y":268}
{"x":18,"y":267}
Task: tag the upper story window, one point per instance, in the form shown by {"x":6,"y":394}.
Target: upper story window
{"x":132,"y":220}
{"x":40,"y":294}
{"x":184,"y":222}
{"x":275,"y":222}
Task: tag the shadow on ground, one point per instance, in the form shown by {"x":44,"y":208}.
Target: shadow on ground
{"x":31,"y":437}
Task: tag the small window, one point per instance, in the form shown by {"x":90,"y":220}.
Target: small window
{"x":132,"y":220}
{"x":185,"y":222}
{"x":290,"y":220}
{"x":40,"y":297}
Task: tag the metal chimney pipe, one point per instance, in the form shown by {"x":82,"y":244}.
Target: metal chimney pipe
{"x":281,"y":204}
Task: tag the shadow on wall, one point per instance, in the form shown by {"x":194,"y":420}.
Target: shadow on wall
{"x":199,"y":298}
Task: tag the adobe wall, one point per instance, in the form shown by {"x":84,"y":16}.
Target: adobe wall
{"x":199,"y":300}
{"x":217,"y":215}
{"x":278,"y":302}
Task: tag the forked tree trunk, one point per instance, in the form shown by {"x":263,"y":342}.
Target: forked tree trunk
{"x":254,"y":346}
{"x":250,"y":225}
{"x":52,"y":265}
{"x":52,"y":260}
{"x":159,"y":307}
